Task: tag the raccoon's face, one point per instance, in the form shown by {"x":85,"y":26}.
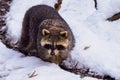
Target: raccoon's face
{"x":54,"y":43}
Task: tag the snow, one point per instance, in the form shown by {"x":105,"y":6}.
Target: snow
{"x":90,"y":29}
{"x":15,"y":66}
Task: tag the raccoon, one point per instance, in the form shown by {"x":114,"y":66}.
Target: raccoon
{"x":46,"y":35}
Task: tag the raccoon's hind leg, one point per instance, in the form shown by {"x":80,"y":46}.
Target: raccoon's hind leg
{"x":24,"y":39}
{"x":31,"y":48}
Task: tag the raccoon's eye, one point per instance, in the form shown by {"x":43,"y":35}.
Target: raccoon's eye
{"x":60,"y":47}
{"x":47,"y":46}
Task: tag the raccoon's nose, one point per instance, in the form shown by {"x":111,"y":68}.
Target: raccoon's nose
{"x":52,"y":53}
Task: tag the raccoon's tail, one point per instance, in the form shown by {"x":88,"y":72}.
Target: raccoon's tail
{"x":57,"y":6}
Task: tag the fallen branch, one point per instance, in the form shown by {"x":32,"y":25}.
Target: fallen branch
{"x":57,"y":6}
{"x":86,"y":72}
{"x":114,"y":17}
{"x":4,"y":8}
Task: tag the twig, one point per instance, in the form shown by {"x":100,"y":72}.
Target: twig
{"x":95,"y":1}
{"x":33,"y":74}
{"x":114,"y":17}
{"x":86,"y":47}
{"x":58,"y":5}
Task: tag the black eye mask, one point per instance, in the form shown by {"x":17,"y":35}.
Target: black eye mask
{"x":58,"y":47}
{"x":48,"y":46}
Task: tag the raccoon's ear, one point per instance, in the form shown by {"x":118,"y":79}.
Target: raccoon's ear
{"x":64,"y":33}
{"x":45,"y":32}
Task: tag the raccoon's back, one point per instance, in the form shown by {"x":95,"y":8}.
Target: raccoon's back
{"x":42,"y":12}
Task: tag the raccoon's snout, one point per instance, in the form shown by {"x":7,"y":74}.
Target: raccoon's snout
{"x":54,"y":49}
{"x":52,"y":54}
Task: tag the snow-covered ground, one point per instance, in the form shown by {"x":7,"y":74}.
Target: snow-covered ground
{"x":91,"y":30}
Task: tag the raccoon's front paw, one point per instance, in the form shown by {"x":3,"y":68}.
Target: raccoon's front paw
{"x":56,"y":60}
{"x":32,"y":52}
